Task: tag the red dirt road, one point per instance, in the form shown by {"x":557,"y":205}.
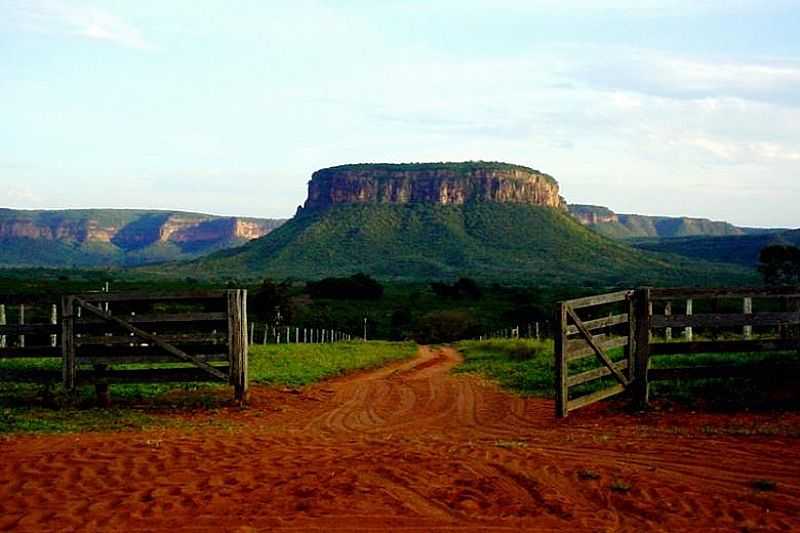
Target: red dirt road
{"x":409,"y":447}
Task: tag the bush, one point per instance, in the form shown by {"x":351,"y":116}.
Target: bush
{"x":356,"y":287}
{"x":445,"y":326}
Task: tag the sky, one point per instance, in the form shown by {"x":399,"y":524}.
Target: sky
{"x":672,"y":107}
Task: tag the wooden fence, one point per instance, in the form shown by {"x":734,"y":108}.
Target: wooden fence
{"x":643,"y":324}
{"x":105,"y":338}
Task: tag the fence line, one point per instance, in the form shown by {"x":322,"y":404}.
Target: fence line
{"x":270,"y":334}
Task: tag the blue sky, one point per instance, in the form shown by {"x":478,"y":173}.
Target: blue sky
{"x":656,"y":107}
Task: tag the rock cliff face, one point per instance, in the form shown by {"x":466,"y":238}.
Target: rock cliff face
{"x":150,"y":235}
{"x":129,"y":229}
{"x":433,"y":183}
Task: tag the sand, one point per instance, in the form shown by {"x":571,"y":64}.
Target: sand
{"x":410,"y":447}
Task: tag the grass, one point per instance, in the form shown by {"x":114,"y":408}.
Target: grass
{"x":297,"y":365}
{"x":28,"y":408}
{"x":526,"y":367}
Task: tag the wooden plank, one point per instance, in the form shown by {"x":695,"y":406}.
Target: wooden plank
{"x":595,"y":397}
{"x":98,"y":350}
{"x":726,"y":292}
{"x":134,"y":296}
{"x":16,"y":352}
{"x":29,"y":299}
{"x":32,"y":375}
{"x":153,"y":338}
{"x":162,"y":318}
{"x":630,"y":349}
{"x":765,"y":345}
{"x":138,"y":359}
{"x":561,"y":368}
{"x":609,"y":321}
{"x":597,"y":349}
{"x":642,"y":356}
{"x":601,"y":299}
{"x":723,"y":320}
{"x":152,"y":375}
{"x":755,"y":371}
{"x":591,"y":375}
{"x":575,"y":352}
{"x":200,"y":338}
{"x":31,"y":329}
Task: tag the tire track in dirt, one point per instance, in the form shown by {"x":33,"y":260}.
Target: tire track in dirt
{"x":410,"y":446}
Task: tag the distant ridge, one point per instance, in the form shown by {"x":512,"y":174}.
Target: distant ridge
{"x":625,"y":226}
{"x":117,"y":237}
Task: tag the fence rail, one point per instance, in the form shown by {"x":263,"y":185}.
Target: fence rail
{"x":770,"y":314}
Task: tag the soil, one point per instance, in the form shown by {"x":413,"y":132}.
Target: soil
{"x":411,"y":447}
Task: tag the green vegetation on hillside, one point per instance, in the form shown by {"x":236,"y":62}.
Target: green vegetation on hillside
{"x":740,"y":250}
{"x":488,"y":241}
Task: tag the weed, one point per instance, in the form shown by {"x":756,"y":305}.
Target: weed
{"x":620,"y":486}
{"x":587,"y":475}
{"x":763,"y":485}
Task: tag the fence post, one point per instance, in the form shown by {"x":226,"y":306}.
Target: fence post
{"x":562,"y":392}
{"x":68,"y":342}
{"x":747,"y":308}
{"x":21,"y":322}
{"x":252,"y":338}
{"x":668,"y":312}
{"x":641,"y":382}
{"x":2,"y":323}
{"x":237,"y":336}
{"x":688,"y":332}
{"x":54,"y":321}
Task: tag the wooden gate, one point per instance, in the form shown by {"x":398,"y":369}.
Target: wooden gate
{"x":110,"y":338}
{"x":589,"y":329}
{"x":757,"y":320}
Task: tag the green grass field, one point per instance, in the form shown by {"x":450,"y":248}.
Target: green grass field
{"x":526,"y":367}
{"x":35,"y":408}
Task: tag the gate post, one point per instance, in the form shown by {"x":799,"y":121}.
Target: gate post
{"x":238,"y":343}
{"x":641,"y":384}
{"x":562,"y":392}
{"x":68,"y":342}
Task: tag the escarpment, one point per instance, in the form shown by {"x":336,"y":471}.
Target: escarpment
{"x":432,"y":183}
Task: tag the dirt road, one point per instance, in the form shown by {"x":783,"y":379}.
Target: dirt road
{"x":409,"y":447}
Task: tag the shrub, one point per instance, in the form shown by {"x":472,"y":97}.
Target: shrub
{"x":445,"y":326}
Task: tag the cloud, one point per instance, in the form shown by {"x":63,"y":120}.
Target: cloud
{"x":660,"y":74}
{"x":84,"y":21}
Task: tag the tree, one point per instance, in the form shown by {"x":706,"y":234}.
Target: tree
{"x":780,"y":265}
{"x":270,"y":299}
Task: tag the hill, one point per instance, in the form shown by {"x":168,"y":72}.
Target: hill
{"x":625,"y":226}
{"x":422,"y":224}
{"x":117,"y":237}
{"x":740,"y":250}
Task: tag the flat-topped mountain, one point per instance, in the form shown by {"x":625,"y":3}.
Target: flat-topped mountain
{"x":439,"y":221}
{"x":431,"y":183}
{"x":118,"y":237}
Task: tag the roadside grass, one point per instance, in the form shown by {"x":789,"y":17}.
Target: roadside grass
{"x":297,"y":365}
{"x":26,"y":407}
{"x":527,"y":367}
